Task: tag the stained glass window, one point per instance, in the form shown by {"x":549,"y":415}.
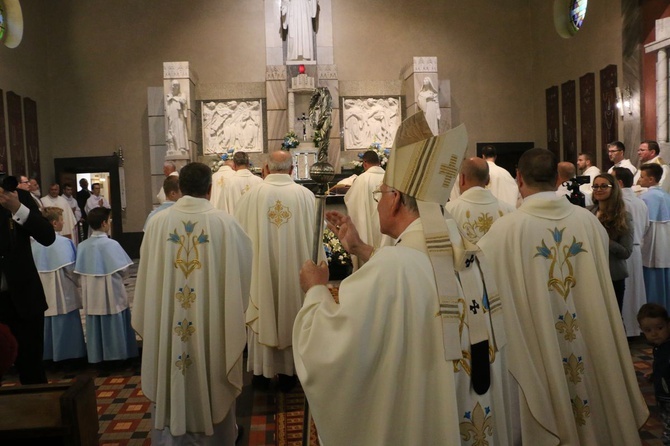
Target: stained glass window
{"x":3,"y":22}
{"x":577,"y":13}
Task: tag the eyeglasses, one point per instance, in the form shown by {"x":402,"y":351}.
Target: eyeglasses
{"x":601,"y":186}
{"x":377,"y":194}
{"x":25,"y":182}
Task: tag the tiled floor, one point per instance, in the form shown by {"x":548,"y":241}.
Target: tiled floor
{"x":124,"y":418}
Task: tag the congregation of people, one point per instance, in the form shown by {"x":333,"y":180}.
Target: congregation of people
{"x":482,"y":305}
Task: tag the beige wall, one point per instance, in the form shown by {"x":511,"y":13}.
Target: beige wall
{"x":557,"y":60}
{"x":91,"y":80}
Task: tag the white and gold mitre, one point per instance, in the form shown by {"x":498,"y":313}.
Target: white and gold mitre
{"x":422,"y":165}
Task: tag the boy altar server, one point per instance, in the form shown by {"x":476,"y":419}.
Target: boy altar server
{"x":63,"y":334}
{"x":102,"y":262}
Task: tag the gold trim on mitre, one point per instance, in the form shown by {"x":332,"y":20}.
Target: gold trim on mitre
{"x":422,"y":165}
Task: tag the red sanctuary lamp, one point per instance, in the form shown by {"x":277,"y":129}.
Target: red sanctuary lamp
{"x":301,"y":69}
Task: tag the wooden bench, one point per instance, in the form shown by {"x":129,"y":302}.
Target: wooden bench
{"x":58,"y":414}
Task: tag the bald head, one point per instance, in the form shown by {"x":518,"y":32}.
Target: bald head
{"x":474,"y":172}
{"x":279,"y":161}
{"x":566,"y":170}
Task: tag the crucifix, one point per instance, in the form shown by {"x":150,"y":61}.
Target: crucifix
{"x":304,"y":120}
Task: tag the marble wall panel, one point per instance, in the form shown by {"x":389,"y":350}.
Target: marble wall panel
{"x":371,"y":88}
{"x":237,"y":124}
{"x":444,"y":93}
{"x":277,"y":124}
{"x":157,"y":157}
{"x":324,"y":55}
{"x":155,"y":101}
{"x":156,"y":130}
{"x":334,"y":89}
{"x":277,"y":95}
{"x":233,"y":90}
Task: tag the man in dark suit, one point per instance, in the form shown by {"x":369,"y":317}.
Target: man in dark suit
{"x":22,"y":302}
{"x":82,"y":197}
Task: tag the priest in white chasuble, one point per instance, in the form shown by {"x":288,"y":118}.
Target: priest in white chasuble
{"x":53,"y":199}
{"x":219,"y":180}
{"x":414,"y":352}
{"x":361,"y":206}
{"x":568,"y":354}
{"x":476,"y":208}
{"x":238,"y":184}
{"x":191,"y":291}
{"x":279,"y":217}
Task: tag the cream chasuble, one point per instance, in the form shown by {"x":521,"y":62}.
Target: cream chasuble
{"x":475,"y":210}
{"x":218,"y":182}
{"x":279,"y":217}
{"x":236,"y":186}
{"x":373,"y":367}
{"x":362,"y":209}
{"x":191,"y":292}
{"x":567,"y":348}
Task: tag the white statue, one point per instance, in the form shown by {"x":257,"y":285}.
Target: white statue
{"x":429,"y":103}
{"x":175,"y":111}
{"x":297,"y":18}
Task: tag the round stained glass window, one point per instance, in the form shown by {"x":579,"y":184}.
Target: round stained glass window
{"x":569,"y":16}
{"x":577,"y":13}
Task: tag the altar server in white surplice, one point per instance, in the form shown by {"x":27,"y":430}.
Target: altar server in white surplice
{"x":361,"y":206}
{"x":219,"y":180}
{"x":635,"y":295}
{"x":238,"y":184}
{"x":655,"y":253}
{"x":417,"y":340}
{"x":278,"y":216}
{"x":55,"y":200}
{"x":573,"y":375}
{"x":63,"y":334}
{"x":191,"y":291}
{"x":102,"y":264}
{"x":476,"y":208}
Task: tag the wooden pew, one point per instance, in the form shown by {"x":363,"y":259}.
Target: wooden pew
{"x":57,"y":414}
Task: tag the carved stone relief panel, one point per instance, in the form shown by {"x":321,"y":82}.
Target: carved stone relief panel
{"x":236,"y":124}
{"x":369,"y":120}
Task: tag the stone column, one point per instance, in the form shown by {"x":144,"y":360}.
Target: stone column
{"x":181,"y":74}
{"x":661,"y":46}
{"x":662,"y":95}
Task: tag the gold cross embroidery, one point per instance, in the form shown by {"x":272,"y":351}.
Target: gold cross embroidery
{"x":449,"y":171}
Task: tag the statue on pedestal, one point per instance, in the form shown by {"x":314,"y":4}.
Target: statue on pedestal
{"x":297,"y":18}
{"x":175,"y":113}
{"x":430,"y":104}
